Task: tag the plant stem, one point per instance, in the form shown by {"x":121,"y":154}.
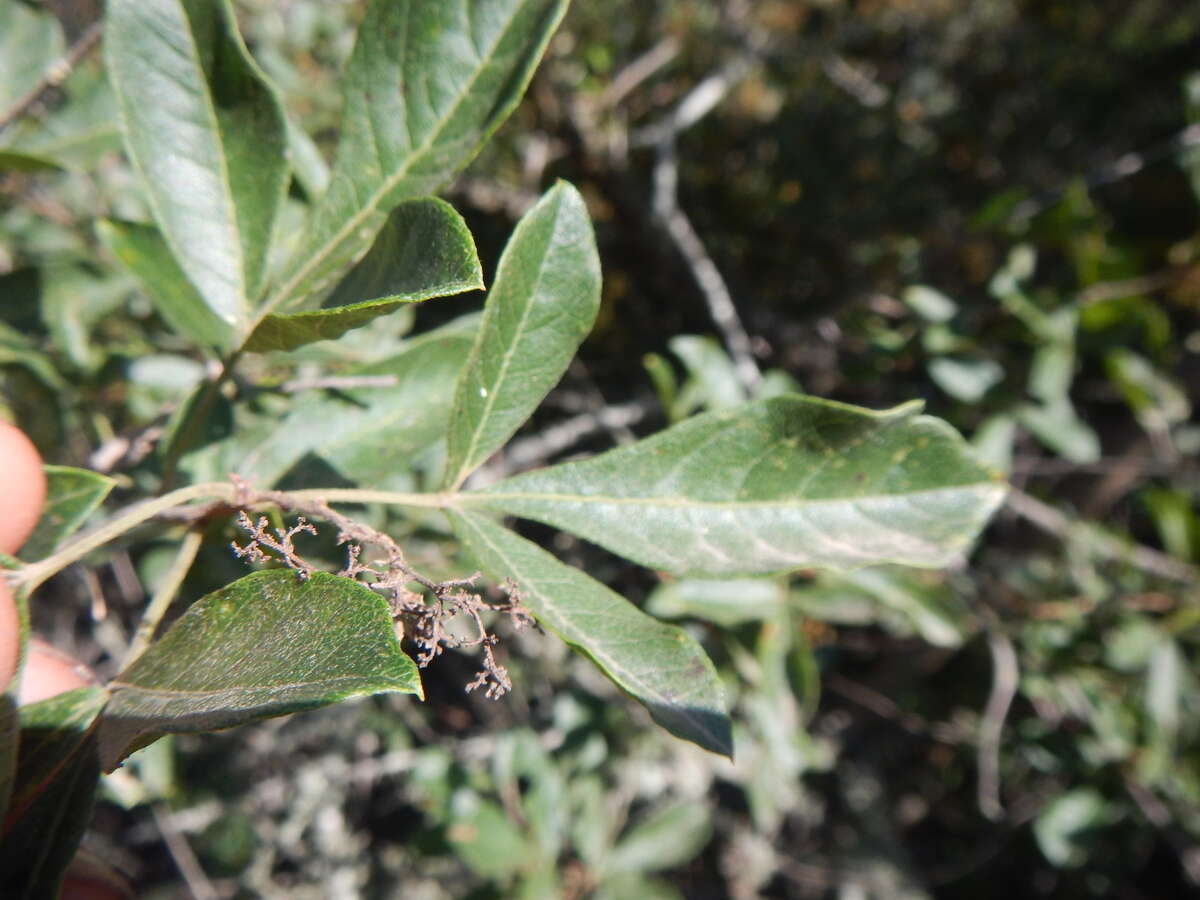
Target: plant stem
{"x":164,"y":594}
{"x":365,"y":495}
{"x":29,"y":577}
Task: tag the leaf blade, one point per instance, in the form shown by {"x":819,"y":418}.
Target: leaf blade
{"x":55,"y":785}
{"x":71,"y":496}
{"x":660,"y":665}
{"x":266,"y":645}
{"x":208,"y":137}
{"x":541,"y":307}
{"x":780,"y":484}
{"x":462,"y":67}
{"x":424,"y":250}
{"x":142,"y":249}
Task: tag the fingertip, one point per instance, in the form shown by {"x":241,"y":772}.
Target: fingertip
{"x":22,"y":487}
{"x":49,"y":672}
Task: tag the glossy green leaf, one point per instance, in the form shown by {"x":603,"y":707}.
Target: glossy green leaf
{"x":777,"y":485}
{"x":55,"y":785}
{"x":266,"y":645}
{"x":142,"y":250}
{"x":424,"y":250}
{"x":659,"y":665}
{"x":208,"y":137}
{"x":539,"y":310}
{"x":427,"y":83}
{"x":71,"y":496}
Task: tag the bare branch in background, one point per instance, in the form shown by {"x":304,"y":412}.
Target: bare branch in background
{"x":708,"y":277}
{"x":55,"y":75}
{"x":1005,"y":676}
{"x":1060,"y":525}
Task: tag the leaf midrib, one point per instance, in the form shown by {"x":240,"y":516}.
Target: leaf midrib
{"x":510,"y":351}
{"x":630,"y":678}
{"x":483,"y":498}
{"x":247,"y":689}
{"x":283,"y":295}
{"x":152,"y":195}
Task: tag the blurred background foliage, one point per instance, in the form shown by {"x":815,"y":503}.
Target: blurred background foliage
{"x":991,"y":205}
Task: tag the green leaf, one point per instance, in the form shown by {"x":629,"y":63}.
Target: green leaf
{"x":1062,"y":825}
{"x":902,"y":600}
{"x":266,"y":645}
{"x":369,"y":435}
{"x":667,"y":838}
{"x":75,"y":301}
{"x":79,"y":133}
{"x":55,"y":785}
{"x":22,"y":162}
{"x":427,"y":84}
{"x":485,"y":838}
{"x":142,"y":249}
{"x":777,"y":485}
{"x":727,"y":602}
{"x":206,"y":133}
{"x":30,"y":42}
{"x":425,"y":250}
{"x":930,"y":304}
{"x":659,"y":665}
{"x":543,"y":304}
{"x":71,"y":496}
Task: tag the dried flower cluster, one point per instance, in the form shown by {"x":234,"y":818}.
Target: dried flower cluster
{"x":423,"y":615}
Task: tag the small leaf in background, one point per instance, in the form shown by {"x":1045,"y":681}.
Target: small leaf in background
{"x":965,"y":379}
{"x":666,"y":838}
{"x":142,"y":250}
{"x":659,"y":665}
{"x":777,"y":485}
{"x":1175,"y":518}
{"x":56,"y":779}
{"x":485,"y":838}
{"x":541,"y":307}
{"x":427,"y":84}
{"x":712,"y":380}
{"x":634,"y":886}
{"x":208,"y":137}
{"x":727,"y":603}
{"x":1156,"y":400}
{"x":371,"y":435}
{"x":424,"y":250}
{"x":25,"y":163}
{"x":903,"y":601}
{"x":1062,"y":825}
{"x":30,"y":42}
{"x":930,"y":304}
{"x":75,"y":300}
{"x":993,"y":442}
{"x":1060,"y":429}
{"x":81,"y":132}
{"x":71,"y":496}
{"x":266,"y":645}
